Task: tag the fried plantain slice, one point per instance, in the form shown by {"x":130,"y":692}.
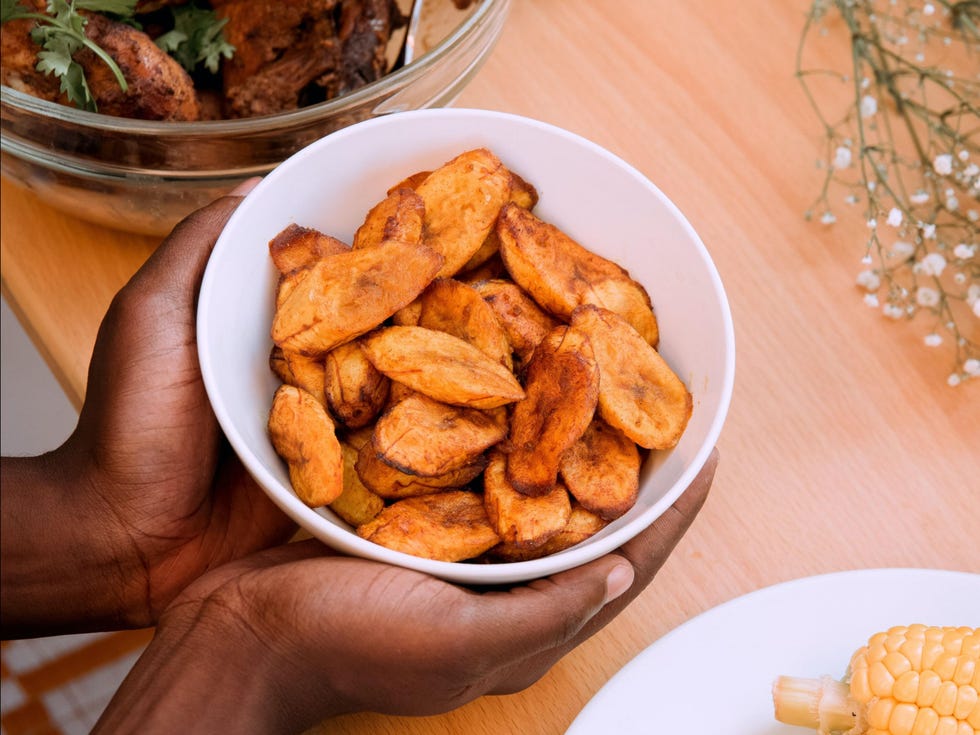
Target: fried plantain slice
{"x":639,"y":394}
{"x":448,"y":526}
{"x":303,"y":435}
{"x":420,"y":436}
{"x":408,"y":316}
{"x":299,"y":371}
{"x":560,"y":274}
{"x":493,"y":268}
{"x":582,"y":524}
{"x":462,"y":200}
{"x":299,"y":247}
{"x":411,"y":182}
{"x":393,"y":484}
{"x":522,"y":520}
{"x":343,"y":296}
{"x":354,"y":390}
{"x":562,"y":384}
{"x":602,"y":470}
{"x":356,"y":504}
{"x":398,"y":216}
{"x":523,"y":321}
{"x":441,"y":366}
{"x":521,"y":193}
{"x":456,"y":308}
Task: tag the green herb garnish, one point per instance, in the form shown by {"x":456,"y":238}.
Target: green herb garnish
{"x":196,"y":38}
{"x":61,"y":34}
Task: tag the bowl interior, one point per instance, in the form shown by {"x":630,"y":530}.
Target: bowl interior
{"x":602,"y":202}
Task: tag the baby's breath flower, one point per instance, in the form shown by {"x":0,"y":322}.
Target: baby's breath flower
{"x":972,"y":366}
{"x":964,"y":251}
{"x":871,"y":300}
{"x":932,"y":264}
{"x":928,"y":231}
{"x":926,"y":296}
{"x":842,"y":157}
{"x":919,"y":197}
{"x":953,"y":380}
{"x":895,"y":217}
{"x":928,"y":9}
{"x":869,"y":106}
{"x":943,"y":164}
{"x":932,"y":340}
{"x":902,"y":249}
{"x":893,"y":311}
{"x":828,"y":218}
{"x":869,"y":280}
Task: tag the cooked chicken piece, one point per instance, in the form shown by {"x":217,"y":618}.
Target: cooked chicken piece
{"x":159,"y":88}
{"x":18,"y":57}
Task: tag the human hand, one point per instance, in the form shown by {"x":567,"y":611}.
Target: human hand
{"x":284,"y":638}
{"x":151,"y":495}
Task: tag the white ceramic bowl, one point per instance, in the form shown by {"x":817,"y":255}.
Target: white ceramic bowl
{"x":597,"y":198}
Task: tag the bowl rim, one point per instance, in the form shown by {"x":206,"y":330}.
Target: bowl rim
{"x":262,"y":123}
{"x":467,"y":572}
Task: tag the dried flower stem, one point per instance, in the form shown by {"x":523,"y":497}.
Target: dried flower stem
{"x":906,"y":143}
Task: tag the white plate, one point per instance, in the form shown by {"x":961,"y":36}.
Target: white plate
{"x":713,"y":674}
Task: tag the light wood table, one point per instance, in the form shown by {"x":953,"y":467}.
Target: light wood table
{"x":844,"y":447}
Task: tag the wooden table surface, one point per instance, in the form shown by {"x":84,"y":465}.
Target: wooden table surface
{"x":844,"y":446}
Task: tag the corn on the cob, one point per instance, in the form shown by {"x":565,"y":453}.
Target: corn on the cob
{"x":909,"y":680}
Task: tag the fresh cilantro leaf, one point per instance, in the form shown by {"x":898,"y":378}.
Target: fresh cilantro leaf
{"x":121,"y":8}
{"x":197,"y":38}
{"x":61,"y":33}
{"x":9,"y":8}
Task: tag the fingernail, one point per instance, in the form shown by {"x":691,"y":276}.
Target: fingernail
{"x":619,"y":580}
{"x":245,"y":187}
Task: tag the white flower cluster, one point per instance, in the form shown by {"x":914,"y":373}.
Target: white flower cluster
{"x":910,"y":160}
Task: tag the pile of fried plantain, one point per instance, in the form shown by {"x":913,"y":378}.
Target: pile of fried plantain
{"x":465,"y":381}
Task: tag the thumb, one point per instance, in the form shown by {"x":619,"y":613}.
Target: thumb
{"x":548,"y":613}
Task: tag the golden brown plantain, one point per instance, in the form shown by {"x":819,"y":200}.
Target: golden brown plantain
{"x":354,"y":391}
{"x":449,"y":526}
{"x":441,"y":366}
{"x":420,"y":436}
{"x":398,"y":216}
{"x":303,"y":435}
{"x":462,"y":200}
{"x":602,"y":470}
{"x":456,"y":308}
{"x":356,"y":504}
{"x":639,"y":394}
{"x":562,"y":385}
{"x":393,"y":484}
{"x":345,"y":295}
{"x":560,"y":274}
{"x":521,"y":520}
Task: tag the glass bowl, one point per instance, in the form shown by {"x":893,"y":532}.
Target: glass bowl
{"x":145,"y":176}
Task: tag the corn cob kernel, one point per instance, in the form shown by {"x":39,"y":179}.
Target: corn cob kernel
{"x":908,"y":680}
